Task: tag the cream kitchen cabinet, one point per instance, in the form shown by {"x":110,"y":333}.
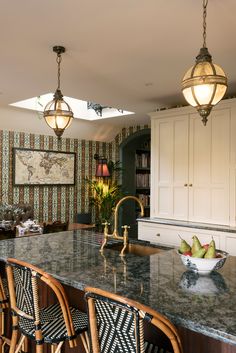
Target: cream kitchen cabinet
{"x":190,"y":174}
{"x":168,"y":235}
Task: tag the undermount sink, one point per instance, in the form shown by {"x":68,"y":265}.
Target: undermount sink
{"x":136,"y":249}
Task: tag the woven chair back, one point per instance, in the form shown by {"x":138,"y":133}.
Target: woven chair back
{"x":26,"y":296}
{"x":117,"y":326}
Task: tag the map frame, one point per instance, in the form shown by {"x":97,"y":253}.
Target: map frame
{"x":18,"y":180}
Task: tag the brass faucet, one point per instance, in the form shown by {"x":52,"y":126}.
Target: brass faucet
{"x":115,"y":234}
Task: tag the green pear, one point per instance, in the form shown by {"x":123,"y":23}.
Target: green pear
{"x":199,"y":253}
{"x":184,"y":246}
{"x":196,"y":244}
{"x":211,"y":251}
{"x":212,"y":243}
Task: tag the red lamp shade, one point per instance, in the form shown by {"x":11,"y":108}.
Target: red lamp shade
{"x":102,"y":168}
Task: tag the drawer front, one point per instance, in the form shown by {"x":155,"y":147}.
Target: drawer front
{"x":169,"y":235}
{"x":158,"y":235}
{"x":230,"y":245}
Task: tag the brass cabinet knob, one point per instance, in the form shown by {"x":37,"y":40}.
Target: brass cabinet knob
{"x":190,"y":185}
{"x":185,"y":184}
{"x":158,"y":235}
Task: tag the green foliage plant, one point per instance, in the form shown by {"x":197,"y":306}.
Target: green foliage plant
{"x":105,"y":193}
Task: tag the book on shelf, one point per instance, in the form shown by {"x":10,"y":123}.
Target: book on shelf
{"x":143,"y":180}
{"x":142,"y":160}
{"x":145,"y":199}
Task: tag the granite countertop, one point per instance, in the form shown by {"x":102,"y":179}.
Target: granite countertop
{"x":188,"y":224}
{"x":204,"y":304}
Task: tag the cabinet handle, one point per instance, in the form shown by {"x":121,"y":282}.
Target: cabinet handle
{"x":190,"y":185}
{"x":185,"y":184}
{"x":158,"y":235}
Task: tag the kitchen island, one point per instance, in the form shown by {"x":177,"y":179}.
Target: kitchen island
{"x":204,"y":308}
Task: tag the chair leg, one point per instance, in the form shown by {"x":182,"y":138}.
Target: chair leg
{"x":39,"y":348}
{"x":20,"y":344}
{"x":25,"y":346}
{"x":85,"y":341}
{"x":56,"y":348}
{"x":1,"y":329}
{"x":13,"y":341}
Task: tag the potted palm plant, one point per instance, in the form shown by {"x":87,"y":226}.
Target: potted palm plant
{"x":105,"y":193}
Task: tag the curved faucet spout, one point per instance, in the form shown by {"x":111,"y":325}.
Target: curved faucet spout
{"x":116,"y":212}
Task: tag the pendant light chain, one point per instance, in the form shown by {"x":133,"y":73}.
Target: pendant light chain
{"x":58,"y":60}
{"x":205,"y":2}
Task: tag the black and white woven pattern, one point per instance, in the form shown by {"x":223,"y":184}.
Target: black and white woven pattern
{"x":119,"y":329}
{"x":23,"y":288}
{"x":151,"y":348}
{"x":5,"y":287}
{"x":116,"y":328}
{"x":53,"y":325}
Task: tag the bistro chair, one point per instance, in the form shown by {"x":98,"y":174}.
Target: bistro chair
{"x":53,"y":324}
{"x":4,"y":306}
{"x":55,"y":227}
{"x":116,"y":325}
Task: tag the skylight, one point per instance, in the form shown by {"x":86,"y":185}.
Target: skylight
{"x":79,"y":107}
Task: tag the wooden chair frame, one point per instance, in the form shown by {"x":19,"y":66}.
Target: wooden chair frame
{"x":4,"y":305}
{"x":59,"y":292}
{"x":144,"y":312}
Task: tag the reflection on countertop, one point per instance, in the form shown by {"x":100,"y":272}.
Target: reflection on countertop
{"x":74,"y":258}
{"x":212,"y":283}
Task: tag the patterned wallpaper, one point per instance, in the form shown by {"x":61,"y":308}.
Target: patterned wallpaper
{"x":55,"y":202}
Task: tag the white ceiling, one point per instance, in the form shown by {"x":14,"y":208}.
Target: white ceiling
{"x":130,"y":54}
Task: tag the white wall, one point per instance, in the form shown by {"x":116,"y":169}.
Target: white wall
{"x":17,"y":119}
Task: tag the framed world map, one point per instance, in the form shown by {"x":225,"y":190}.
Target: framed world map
{"x":40,"y":167}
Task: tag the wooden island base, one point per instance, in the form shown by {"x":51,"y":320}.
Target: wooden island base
{"x":193,"y":342}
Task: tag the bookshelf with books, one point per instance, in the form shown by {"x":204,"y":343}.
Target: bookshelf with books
{"x":142,"y":171}
{"x":135,"y":157}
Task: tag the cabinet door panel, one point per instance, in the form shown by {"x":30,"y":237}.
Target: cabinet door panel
{"x":165,"y":153}
{"x":170,"y":168}
{"x":165,"y":201}
{"x":200,"y":203}
{"x":220,"y":205}
{"x":209,"y":168}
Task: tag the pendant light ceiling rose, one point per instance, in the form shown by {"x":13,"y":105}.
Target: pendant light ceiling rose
{"x":57,"y":113}
{"x":59,"y":49}
{"x":204,"y":84}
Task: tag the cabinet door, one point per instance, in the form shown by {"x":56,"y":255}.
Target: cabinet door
{"x":209,"y":168}
{"x":169,"y":190}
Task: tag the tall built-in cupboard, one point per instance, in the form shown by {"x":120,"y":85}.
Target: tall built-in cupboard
{"x":193,"y":169}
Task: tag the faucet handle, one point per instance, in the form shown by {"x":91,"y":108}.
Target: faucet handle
{"x":125,"y":227}
{"x":106,"y":224}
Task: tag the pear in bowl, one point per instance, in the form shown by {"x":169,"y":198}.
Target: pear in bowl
{"x":201,"y":259}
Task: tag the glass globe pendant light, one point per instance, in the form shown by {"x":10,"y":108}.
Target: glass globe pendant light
{"x":57,"y":113}
{"x":204,"y":84}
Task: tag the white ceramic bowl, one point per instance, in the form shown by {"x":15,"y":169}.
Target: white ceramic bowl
{"x":204,"y":266}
